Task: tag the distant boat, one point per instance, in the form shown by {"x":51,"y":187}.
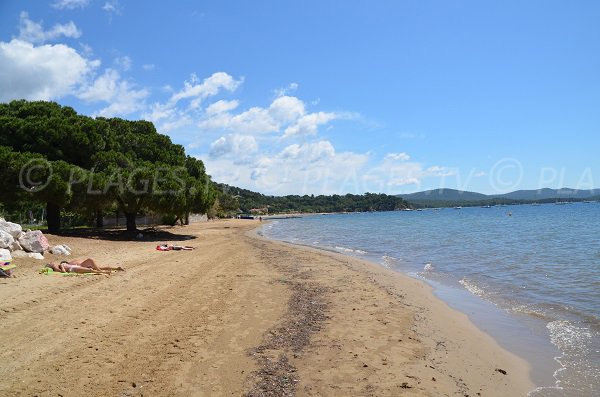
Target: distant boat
{"x":458,"y":208}
{"x":561,"y":203}
{"x":487,"y":206}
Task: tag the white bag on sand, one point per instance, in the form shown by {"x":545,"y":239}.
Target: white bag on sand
{"x":61,"y":250}
{"x":34,"y":241}
{"x":5,"y":255}
{"x":13,"y":229}
{"x":6,"y":239}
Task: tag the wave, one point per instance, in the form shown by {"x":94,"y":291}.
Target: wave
{"x":472,"y":287}
{"x":350,"y":250}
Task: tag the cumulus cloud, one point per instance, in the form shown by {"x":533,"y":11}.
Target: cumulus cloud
{"x":286,"y":90}
{"x":70,"y":4}
{"x":41,"y":73}
{"x":286,"y":109}
{"x":210,"y":86}
{"x":122,"y":97}
{"x":234,"y":146}
{"x":33,"y":32}
{"x":221,"y":107}
{"x":285,"y":114}
{"x":123,"y":62}
{"x":309,"y":124}
{"x":397,"y":156}
{"x":311,"y":167}
{"x":112,"y":7}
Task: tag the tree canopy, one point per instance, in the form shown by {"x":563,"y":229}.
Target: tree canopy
{"x":55,"y":156}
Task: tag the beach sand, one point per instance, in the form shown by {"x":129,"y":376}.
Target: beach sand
{"x":239,"y":315}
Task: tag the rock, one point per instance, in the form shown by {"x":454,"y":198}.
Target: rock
{"x":19,"y":254}
{"x":61,"y":250}
{"x":34,"y":241}
{"x":15,"y":246}
{"x":6,"y":239}
{"x":35,"y":255}
{"x":13,"y":229}
{"x":5,"y":255}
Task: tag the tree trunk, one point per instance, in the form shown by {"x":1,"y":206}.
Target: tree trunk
{"x":131,"y":226}
{"x":99,"y":219}
{"x":53,"y":217}
{"x":187,"y":218}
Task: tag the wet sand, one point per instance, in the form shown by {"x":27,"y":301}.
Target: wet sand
{"x":239,"y":315}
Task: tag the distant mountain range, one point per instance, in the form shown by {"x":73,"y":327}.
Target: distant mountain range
{"x":519,"y":195}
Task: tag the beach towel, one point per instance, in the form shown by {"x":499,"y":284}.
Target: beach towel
{"x":6,"y":269}
{"x":49,"y":272}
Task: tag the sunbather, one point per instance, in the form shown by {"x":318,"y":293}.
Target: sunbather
{"x":91,"y":264}
{"x":169,"y":247}
{"x":64,"y":267}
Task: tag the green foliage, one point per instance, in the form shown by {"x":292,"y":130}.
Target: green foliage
{"x":90,"y":165}
{"x":249,"y":200}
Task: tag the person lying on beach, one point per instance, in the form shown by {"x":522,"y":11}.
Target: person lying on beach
{"x":86,"y":266}
{"x":64,"y":267}
{"x":169,"y":247}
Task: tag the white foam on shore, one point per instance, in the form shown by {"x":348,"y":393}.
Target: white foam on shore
{"x":350,"y":250}
{"x":472,"y":288}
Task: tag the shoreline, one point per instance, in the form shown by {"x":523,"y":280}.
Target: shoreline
{"x":446,"y":321}
{"x":235,"y":316}
{"x":540,"y":354}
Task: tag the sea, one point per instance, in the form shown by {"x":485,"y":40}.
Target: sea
{"x":528,"y":275}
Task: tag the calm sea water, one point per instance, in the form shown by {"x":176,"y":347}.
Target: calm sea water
{"x":539,"y":266}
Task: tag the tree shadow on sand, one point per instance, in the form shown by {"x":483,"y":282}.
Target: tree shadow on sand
{"x":151,"y":234}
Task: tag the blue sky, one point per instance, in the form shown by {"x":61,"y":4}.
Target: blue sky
{"x":312,"y":97}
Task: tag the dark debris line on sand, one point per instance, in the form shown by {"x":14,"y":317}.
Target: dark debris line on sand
{"x":276,"y":376}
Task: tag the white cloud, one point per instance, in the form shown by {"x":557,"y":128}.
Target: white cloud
{"x":309,"y":152}
{"x":41,"y":73}
{"x":110,"y":88}
{"x":236,"y":146}
{"x":397,"y":156}
{"x":123,"y":62}
{"x":210,"y":86}
{"x":309,"y":124}
{"x":34,"y":32}
{"x":112,"y":7}
{"x":311,"y":167}
{"x":70,"y":4}
{"x":286,"y":109}
{"x":255,"y":120}
{"x":221,"y":107}
{"x":286,"y":90}
{"x":148,"y":66}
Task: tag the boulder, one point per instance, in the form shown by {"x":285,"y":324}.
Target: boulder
{"x":61,"y":250}
{"x":19,"y":254}
{"x":35,"y":255}
{"x":5,"y":255}
{"x":15,"y":246}
{"x":34,"y":241}
{"x":6,"y":239}
{"x":13,"y":229}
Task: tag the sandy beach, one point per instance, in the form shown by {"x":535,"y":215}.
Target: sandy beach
{"x":239,"y":315}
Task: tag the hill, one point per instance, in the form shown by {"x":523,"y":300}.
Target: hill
{"x":444,"y":195}
{"x":252,"y":202}
{"x":452,"y":197}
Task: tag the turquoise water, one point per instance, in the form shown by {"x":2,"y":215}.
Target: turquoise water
{"x":537,"y":266}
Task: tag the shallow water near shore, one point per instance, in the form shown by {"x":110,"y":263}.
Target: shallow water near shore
{"x":530,"y":279}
